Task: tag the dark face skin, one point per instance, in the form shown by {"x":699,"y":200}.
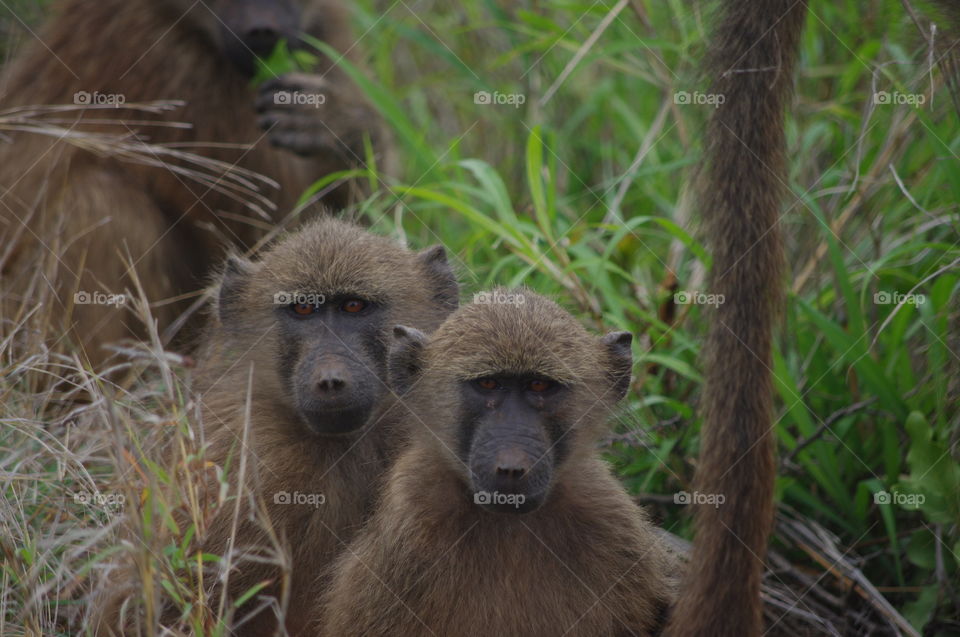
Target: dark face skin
{"x":511,"y":438}
{"x":252,"y":28}
{"x":333,"y":358}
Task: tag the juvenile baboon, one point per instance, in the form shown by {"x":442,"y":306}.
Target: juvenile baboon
{"x":312,"y":321}
{"x":500,"y":518}
{"x":752,"y":57}
{"x":68,"y":213}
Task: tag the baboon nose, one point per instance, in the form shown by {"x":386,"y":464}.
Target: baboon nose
{"x":330,"y":383}
{"x":512,"y":464}
{"x":262,"y":40}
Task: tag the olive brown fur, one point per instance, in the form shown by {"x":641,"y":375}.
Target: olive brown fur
{"x":752,"y":56}
{"x":69,"y":216}
{"x":432,"y":561}
{"x":291,"y":449}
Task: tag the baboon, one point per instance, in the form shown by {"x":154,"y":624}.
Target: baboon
{"x":69,"y":213}
{"x":751,"y":59}
{"x":312,"y":321}
{"x":499,"y":517}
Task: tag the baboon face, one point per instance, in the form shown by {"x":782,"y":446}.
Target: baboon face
{"x":332,"y":359}
{"x":528,"y":386}
{"x":247,"y":29}
{"x":314,"y":317}
{"x":512,"y":435}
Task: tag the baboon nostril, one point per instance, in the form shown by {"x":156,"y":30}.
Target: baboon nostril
{"x":514,"y":472}
{"x":512,"y":463}
{"x":331,"y":384}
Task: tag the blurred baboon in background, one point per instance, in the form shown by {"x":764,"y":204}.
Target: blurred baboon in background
{"x":68,"y":211}
{"x":312,"y":321}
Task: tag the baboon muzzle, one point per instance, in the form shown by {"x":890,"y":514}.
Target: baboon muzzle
{"x":335,"y":394}
{"x":252,"y":29}
{"x":513,"y":465}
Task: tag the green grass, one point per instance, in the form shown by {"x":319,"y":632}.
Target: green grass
{"x":544,"y":195}
{"x":533,"y":195}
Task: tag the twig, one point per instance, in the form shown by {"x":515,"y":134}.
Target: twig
{"x":826,"y":424}
{"x":821,"y":546}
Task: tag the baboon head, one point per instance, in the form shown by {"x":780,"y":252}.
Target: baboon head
{"x":314,"y":317}
{"x":513,"y":390}
{"x":247,"y":29}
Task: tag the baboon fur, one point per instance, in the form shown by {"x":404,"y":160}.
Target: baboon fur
{"x":67,"y":214}
{"x":284,"y":456}
{"x":432,"y":562}
{"x":752,"y":57}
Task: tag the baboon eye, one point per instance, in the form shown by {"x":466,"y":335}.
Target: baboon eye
{"x":353,"y":306}
{"x":539,"y":385}
{"x":303,"y":309}
{"x":487,"y":383}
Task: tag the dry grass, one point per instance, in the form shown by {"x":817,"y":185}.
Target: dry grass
{"x":102,"y":472}
{"x":613,"y":148}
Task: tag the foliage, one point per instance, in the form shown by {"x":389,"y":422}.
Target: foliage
{"x":585,"y":196}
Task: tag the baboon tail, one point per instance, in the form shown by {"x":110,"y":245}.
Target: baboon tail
{"x":752,"y":56}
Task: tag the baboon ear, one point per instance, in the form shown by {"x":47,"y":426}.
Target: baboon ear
{"x":620,"y":357}
{"x":232,"y":282}
{"x":405,"y":358}
{"x":441,"y":275}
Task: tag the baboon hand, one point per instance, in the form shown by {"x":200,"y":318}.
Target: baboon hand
{"x":311,"y":115}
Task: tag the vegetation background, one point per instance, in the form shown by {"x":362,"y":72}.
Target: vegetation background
{"x":583,"y":192}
